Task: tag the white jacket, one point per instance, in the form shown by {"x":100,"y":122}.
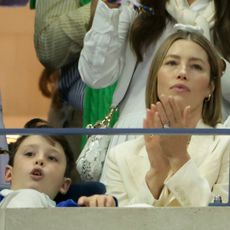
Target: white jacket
{"x":205,"y":175}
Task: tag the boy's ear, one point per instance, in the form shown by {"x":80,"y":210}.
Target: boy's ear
{"x":65,"y":186}
{"x":8,"y":173}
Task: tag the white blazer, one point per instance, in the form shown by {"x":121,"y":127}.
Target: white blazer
{"x":205,"y":175}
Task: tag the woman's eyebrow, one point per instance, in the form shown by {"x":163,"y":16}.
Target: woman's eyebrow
{"x":197,"y":59}
{"x":175,"y":56}
{"x":172,"y":56}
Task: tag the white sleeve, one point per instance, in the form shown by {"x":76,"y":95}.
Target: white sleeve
{"x":193,"y":186}
{"x":102,"y":57}
{"x":27,"y":198}
{"x":188,"y":187}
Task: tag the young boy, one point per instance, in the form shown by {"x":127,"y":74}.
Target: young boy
{"x":39,"y":167}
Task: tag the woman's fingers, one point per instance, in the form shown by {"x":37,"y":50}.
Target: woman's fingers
{"x":166,"y":111}
{"x":172,"y":112}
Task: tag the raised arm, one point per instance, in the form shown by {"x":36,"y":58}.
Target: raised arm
{"x":102,"y":57}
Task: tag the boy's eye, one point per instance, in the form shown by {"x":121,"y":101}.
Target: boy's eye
{"x":171,"y":62}
{"x":53,"y":158}
{"x":29,"y":154}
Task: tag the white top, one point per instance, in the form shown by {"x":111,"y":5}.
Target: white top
{"x":204,"y":176}
{"x":25,"y":198}
{"x":107,"y":57}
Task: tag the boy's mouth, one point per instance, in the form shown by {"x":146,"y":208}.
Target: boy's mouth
{"x":36,"y":174}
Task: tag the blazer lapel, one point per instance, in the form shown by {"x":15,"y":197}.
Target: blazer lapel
{"x":200,"y":146}
{"x":137,"y":164}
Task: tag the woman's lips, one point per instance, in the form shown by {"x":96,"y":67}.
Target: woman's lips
{"x":180,"y":88}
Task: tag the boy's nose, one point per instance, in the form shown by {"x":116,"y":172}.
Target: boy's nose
{"x":39,"y":162}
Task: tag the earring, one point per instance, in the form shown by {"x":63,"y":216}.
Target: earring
{"x":208,"y":98}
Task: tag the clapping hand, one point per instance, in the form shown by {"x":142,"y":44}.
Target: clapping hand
{"x":167,"y":153}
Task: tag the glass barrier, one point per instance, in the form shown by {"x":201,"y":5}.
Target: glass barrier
{"x":12,"y":134}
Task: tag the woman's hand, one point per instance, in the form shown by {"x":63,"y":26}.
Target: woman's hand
{"x":174,"y":115}
{"x":159,"y":165}
{"x":166,"y":153}
{"x":157,"y":160}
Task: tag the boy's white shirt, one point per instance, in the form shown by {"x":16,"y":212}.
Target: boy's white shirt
{"x":25,"y":198}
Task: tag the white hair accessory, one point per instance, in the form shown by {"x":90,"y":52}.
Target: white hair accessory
{"x":189,"y":28}
{"x":183,"y":13}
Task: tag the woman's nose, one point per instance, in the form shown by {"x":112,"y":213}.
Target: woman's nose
{"x":182,"y":74}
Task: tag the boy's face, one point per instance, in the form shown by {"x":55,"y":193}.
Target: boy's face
{"x":39,"y":164}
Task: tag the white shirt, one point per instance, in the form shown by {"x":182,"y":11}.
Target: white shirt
{"x":25,"y":198}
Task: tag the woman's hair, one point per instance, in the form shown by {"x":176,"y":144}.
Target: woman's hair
{"x":211,"y":112}
{"x":221,"y":30}
{"x":147,"y":28}
{"x":39,"y":123}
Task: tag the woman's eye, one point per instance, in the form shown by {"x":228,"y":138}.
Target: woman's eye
{"x":197,"y":67}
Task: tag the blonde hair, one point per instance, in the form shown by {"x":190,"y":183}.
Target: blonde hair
{"x":211,"y":112}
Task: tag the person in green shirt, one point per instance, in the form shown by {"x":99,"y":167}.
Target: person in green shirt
{"x":60,"y":27}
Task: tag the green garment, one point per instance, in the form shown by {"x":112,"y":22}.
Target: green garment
{"x":32,"y":4}
{"x":97,"y":101}
{"x":96,"y":105}
{"x":83,"y":2}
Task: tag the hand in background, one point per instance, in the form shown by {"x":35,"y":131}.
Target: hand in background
{"x":166,"y":153}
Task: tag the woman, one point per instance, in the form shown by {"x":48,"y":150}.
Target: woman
{"x":122,"y":37}
{"x":183,"y":91}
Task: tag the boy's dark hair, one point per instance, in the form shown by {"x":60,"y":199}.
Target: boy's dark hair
{"x":39,"y":123}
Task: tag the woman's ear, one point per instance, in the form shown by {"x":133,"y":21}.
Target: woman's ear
{"x":65,"y":186}
{"x":222,"y":66}
{"x":212,"y":87}
{"x":8,"y":173}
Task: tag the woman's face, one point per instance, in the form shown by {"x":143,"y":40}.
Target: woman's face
{"x":185,"y":74}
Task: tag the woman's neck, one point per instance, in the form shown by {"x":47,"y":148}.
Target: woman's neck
{"x":194,"y":118}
